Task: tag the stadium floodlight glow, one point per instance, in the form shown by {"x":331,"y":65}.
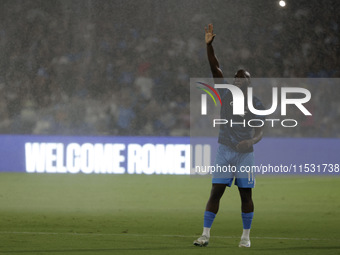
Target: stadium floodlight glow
{"x":282,"y":3}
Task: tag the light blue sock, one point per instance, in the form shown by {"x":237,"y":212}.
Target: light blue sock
{"x":208,"y":219}
{"x":247,"y":218}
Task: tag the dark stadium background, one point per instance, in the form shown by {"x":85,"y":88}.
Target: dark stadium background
{"x":123,"y":67}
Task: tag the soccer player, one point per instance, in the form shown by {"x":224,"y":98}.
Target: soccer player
{"x":235,"y":149}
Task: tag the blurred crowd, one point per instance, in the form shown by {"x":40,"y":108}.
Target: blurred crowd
{"x":124,"y":67}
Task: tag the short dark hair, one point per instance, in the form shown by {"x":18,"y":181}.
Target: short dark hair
{"x":242,"y":73}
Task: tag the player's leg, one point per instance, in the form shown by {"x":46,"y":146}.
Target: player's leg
{"x":247,"y":208}
{"x":211,"y":210}
{"x":220,"y":179}
{"x":212,"y":206}
{"x":246,"y":182}
{"x":247,"y":204}
{"x":216,"y":193}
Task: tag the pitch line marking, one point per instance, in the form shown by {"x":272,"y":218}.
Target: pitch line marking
{"x":146,"y":235}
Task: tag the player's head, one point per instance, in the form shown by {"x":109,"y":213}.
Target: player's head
{"x":242,"y":78}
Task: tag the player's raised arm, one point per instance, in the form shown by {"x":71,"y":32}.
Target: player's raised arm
{"x":214,"y":65}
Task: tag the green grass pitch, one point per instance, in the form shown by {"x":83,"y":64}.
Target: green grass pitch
{"x":138,"y":214}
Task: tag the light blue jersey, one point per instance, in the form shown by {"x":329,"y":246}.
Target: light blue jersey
{"x":233,"y":135}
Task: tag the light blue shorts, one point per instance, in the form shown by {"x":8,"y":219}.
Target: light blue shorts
{"x":230,"y":165}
